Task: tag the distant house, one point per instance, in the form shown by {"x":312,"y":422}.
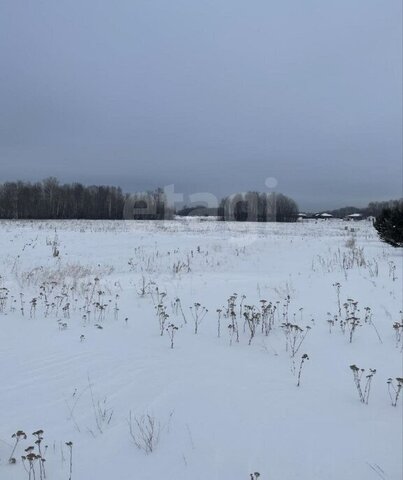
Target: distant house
{"x":354,"y":217}
{"x":324,"y":215}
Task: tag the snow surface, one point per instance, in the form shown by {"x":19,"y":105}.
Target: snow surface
{"x":225,"y":411}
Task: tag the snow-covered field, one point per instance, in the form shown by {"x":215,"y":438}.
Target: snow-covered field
{"x":81,"y":350}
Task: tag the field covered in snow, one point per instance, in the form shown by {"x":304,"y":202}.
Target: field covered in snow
{"x":87,"y":315}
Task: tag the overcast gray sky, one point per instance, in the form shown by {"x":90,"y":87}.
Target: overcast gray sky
{"x":209,"y":95}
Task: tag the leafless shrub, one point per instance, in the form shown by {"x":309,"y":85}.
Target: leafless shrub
{"x":294,"y":335}
{"x":102,"y":413}
{"x":70,"y":447}
{"x":252,"y":319}
{"x":394,"y":390}
{"x":337,"y":286}
{"x":303,"y":359}
{"x":267,"y":311}
{"x":145,"y":432}
{"x":198,"y":313}
{"x":358,"y":376}
{"x":172,"y":329}
{"x":17,"y":436}
{"x":177,"y":309}
{"x":230,"y":313}
{"x":254,"y":476}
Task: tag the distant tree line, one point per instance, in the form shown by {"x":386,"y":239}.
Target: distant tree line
{"x":373,"y":209}
{"x":148,"y":206}
{"x":250,"y":206}
{"x":258,"y":207}
{"x":50,"y":199}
